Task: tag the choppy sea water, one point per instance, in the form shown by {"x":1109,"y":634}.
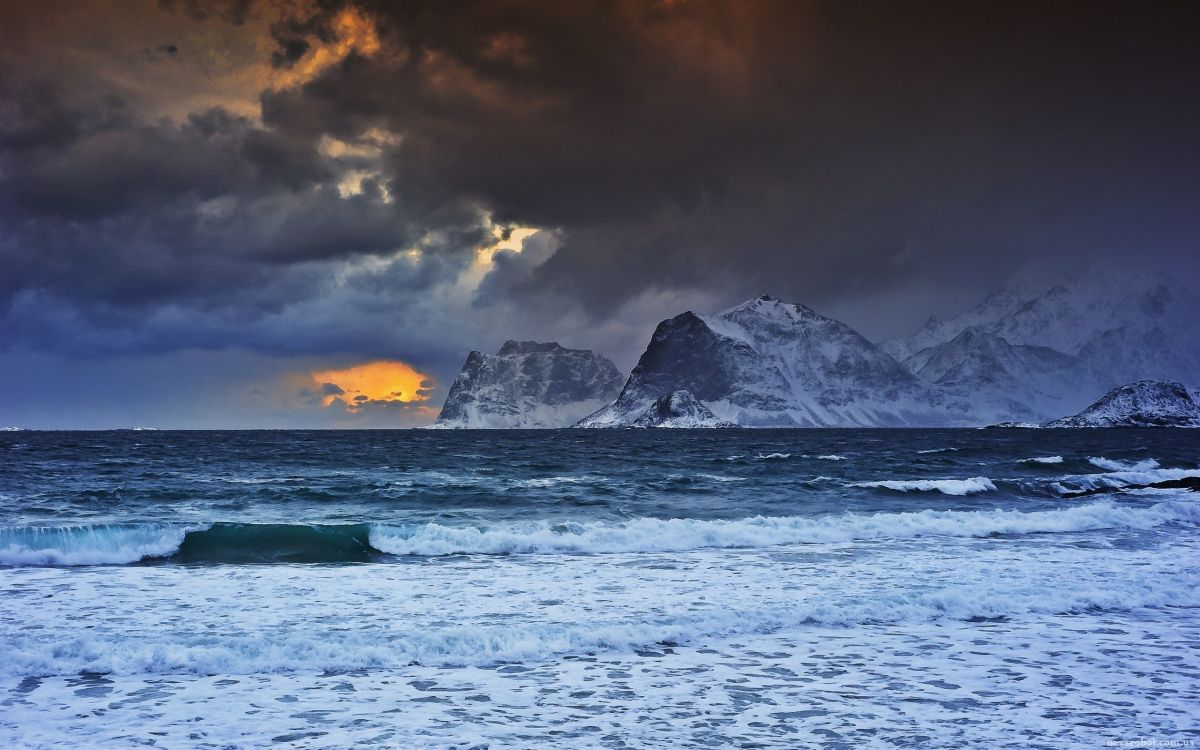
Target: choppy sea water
{"x":759,"y":588}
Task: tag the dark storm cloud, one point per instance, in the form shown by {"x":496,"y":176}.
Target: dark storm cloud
{"x":823,"y":151}
{"x":233,"y":11}
{"x":808,"y":146}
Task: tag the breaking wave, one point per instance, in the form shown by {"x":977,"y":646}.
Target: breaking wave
{"x":1117,"y":480}
{"x":1043,"y":460}
{"x":88,"y":545}
{"x":658,"y":535}
{"x":283,"y":543}
{"x":1110,"y":465}
{"x":944,"y":486}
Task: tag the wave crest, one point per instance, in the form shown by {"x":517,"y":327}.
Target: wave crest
{"x":115,"y":544}
{"x":944,"y":486}
{"x":672,"y":535}
{"x":1111,"y":465}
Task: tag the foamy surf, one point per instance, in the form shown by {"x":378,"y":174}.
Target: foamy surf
{"x":449,"y":643}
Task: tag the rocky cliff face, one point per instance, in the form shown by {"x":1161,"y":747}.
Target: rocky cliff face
{"x":771,"y":363}
{"x":1146,"y":403}
{"x":679,"y":409}
{"x":528,"y":384}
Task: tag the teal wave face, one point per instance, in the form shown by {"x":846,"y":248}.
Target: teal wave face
{"x":276,"y":543}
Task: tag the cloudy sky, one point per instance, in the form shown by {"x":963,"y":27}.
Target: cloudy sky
{"x":307,"y":212}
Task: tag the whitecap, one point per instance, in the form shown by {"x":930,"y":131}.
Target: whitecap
{"x":1119,"y":479}
{"x":1110,"y":465}
{"x":944,"y":486}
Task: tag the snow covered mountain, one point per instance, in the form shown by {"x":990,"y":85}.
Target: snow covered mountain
{"x":770,"y":363}
{"x":529,"y":384}
{"x":1146,"y":403}
{"x":1024,"y":355}
{"x":1029,"y":352}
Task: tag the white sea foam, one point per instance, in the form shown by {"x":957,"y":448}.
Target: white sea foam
{"x":982,"y":694}
{"x":1043,"y":460}
{"x":261,"y":649}
{"x":938,"y":450}
{"x":1110,"y":465}
{"x":89,"y":545}
{"x":769,"y":456}
{"x":832,"y":457}
{"x":668,"y":535}
{"x":944,"y":486}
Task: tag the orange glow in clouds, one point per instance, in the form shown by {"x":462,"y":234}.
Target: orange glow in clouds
{"x":353,"y":32}
{"x":374,"y":382}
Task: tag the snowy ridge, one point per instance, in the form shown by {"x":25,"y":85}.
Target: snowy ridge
{"x":528,"y":384}
{"x":767,"y":363}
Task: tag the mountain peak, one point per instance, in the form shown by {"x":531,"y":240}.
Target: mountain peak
{"x":767,"y":363}
{"x":512,"y":346}
{"x":768,"y":307}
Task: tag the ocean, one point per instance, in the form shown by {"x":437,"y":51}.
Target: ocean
{"x":600,"y":589}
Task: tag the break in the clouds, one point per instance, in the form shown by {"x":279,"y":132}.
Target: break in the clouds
{"x":379,"y":384}
{"x":327,"y":184}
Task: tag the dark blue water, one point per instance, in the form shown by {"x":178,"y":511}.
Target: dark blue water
{"x":490,"y":476}
{"x":769,"y":588}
